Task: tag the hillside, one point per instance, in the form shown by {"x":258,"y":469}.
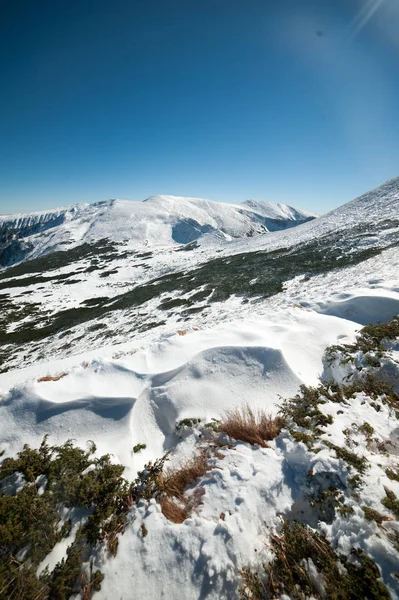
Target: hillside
{"x":155,"y":352}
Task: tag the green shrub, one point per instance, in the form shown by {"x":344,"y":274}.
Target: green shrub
{"x":31,"y":521}
{"x":139,"y":447}
{"x":288,"y":574}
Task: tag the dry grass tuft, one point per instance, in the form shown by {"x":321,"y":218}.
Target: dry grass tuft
{"x":172,"y":511}
{"x":175,"y":506}
{"x":52,"y":377}
{"x":182,"y":332}
{"x":254,"y":427}
{"x":175,"y":481}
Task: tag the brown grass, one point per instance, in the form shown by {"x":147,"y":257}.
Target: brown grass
{"x":172,"y":511}
{"x":173,"y":503}
{"x":175,"y":481}
{"x":254,"y":427}
{"x":52,"y":377}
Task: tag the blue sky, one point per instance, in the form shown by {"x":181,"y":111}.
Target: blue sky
{"x":292,"y":101}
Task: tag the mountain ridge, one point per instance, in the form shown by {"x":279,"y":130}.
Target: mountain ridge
{"x":157,"y":221}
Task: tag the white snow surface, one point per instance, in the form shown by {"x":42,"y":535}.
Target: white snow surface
{"x":138,"y":398}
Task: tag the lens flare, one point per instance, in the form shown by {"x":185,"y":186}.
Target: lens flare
{"x":365,"y":14}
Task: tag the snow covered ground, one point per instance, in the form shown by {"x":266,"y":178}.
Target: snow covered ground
{"x":253,"y":347}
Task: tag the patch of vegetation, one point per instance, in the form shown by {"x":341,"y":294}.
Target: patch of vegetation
{"x":57,"y":477}
{"x":346,"y":511}
{"x":95,"y":301}
{"x":97,"y":326}
{"x":303,"y":411}
{"x":108,"y":273}
{"x":149,"y":482}
{"x":372,"y":340}
{"x":139,"y":447}
{"x":175,"y":506}
{"x":34,"y":280}
{"x":392,"y":474}
{"x":167,"y":486}
{"x":391,"y":502}
{"x":144,"y":255}
{"x":359,"y":463}
{"x":187,"y":423}
{"x":304,"y":438}
{"x":375,"y":388}
{"x":57,"y":260}
{"x":299,"y":549}
{"x":373,"y":515}
{"x":374,"y":337}
{"x":367,"y":429}
{"x":213,"y":424}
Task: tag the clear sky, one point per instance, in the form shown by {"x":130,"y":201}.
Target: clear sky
{"x":291,"y":101}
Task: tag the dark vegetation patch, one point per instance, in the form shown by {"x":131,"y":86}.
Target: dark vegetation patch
{"x":31,"y":523}
{"x":97,"y":326}
{"x":296,"y":550}
{"x":95,"y":301}
{"x":139,"y":447}
{"x":108,"y":273}
{"x":359,"y":463}
{"x":393,"y":474}
{"x":391,"y":502}
{"x":302,"y":413}
{"x":56,"y":260}
{"x":373,"y":342}
{"x":372,"y":339}
{"x":187,"y":423}
{"x":144,"y":255}
{"x":92,"y":268}
{"x":373,"y":515}
{"x":34,"y":280}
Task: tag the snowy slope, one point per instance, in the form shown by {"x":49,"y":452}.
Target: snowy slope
{"x":158,"y":221}
{"x":366,"y":216}
{"x":101,"y":292}
{"x":117,"y":344}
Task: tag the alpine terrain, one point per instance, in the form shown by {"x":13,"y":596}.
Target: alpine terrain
{"x":200,"y":400}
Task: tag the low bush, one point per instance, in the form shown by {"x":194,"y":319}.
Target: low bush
{"x":31,"y":518}
{"x":139,"y":447}
{"x":306,"y":566}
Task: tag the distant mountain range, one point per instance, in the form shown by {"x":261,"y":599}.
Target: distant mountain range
{"x":158,"y":221}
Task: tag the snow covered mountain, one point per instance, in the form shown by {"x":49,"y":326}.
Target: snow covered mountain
{"x":158,"y":221}
{"x":121,"y":331}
